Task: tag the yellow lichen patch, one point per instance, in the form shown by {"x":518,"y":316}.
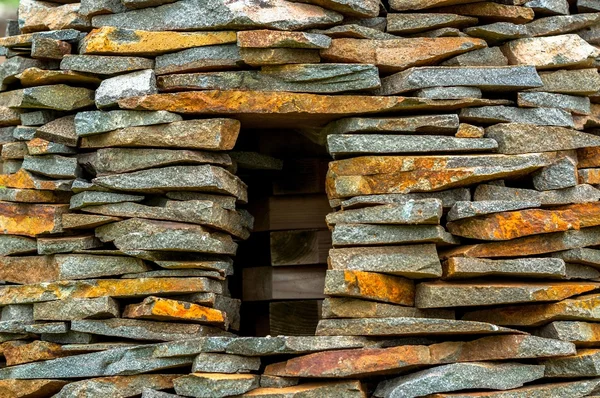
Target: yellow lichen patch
{"x":372,"y":286}
{"x":32,"y":77}
{"x":588,"y":157}
{"x":164,"y":309}
{"x":30,"y":220}
{"x":30,"y":388}
{"x":111,"y":40}
{"x":32,"y":352}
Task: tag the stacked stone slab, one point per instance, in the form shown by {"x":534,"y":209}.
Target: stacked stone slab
{"x":463,"y":186}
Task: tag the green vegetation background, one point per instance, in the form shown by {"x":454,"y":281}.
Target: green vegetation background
{"x":13,"y":3}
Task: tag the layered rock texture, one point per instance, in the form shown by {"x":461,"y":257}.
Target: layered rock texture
{"x":464,"y":186}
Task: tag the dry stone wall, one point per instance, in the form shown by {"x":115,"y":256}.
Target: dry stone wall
{"x":466,"y":213}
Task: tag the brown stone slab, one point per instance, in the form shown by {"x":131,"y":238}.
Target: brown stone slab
{"x":370,"y":286}
{"x":31,"y":220}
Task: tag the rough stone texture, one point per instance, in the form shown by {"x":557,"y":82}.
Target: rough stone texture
{"x":125,"y":386}
{"x":409,"y":5}
{"x":53,"y":166}
{"x":570,"y":103}
{"x":562,"y":174}
{"x":58,"y":97}
{"x":96,"y":122}
{"x":161,"y":309}
{"x":31,"y":220}
{"x":505,"y":114}
{"x":370,"y":286}
{"x":349,"y":389}
{"x":581,"y":333}
{"x":91,"y":198}
{"x":105,"y":65}
{"x":462,"y":210}
{"x":448,"y":198}
{"x":37,"y":15}
{"x":583,"y":364}
{"x":575,"y":82}
{"x":367,"y":235}
{"x":578,"y":194}
{"x":449,"y":92}
{"x":426,"y":211}
{"x":278,"y":39}
{"x":224,"y":363}
{"x":464,"y":267}
{"x":547,"y":390}
{"x":30,"y":388}
{"x":67,"y":310}
{"x":199,"y":59}
{"x":354,"y":308}
{"x":414,"y":23}
{"x":209,"y":385}
{"x":492,"y":12}
{"x":124,"y":86}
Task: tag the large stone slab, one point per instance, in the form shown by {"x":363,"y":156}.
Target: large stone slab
{"x":574,"y":389}
{"x":570,"y":103}
{"x":561,"y":24}
{"x":53,"y":166}
{"x":515,"y":138}
{"x":460,"y":376}
{"x":105,"y":64}
{"x":162,"y":309}
{"x":468,"y":209}
{"x":298,"y":78}
{"x":428,"y":124}
{"x":409,"y":5}
{"x":96,"y":122}
{"x":370,"y":286}
{"x":198,"y":59}
{"x":58,"y":97}
{"x":570,"y":81}
{"x":278,"y":39}
{"x":215,"y":384}
{"x":75,"y":309}
{"x":142,"y":234}
{"x":125,"y":386}
{"x":448,"y":197}
{"x":492,"y":12}
{"x":405,"y":327}
{"x":585,"y":256}
{"x":190,"y":15}
{"x":578,"y":194}
{"x":205,"y":178}
{"x":465,"y":267}
{"x":582,"y":364}
{"x":37,"y":15}
{"x":26,"y":40}
{"x":498,"y":32}
{"x":23,"y":179}
{"x":30,"y":388}
{"x":355,"y":8}
{"x":425,"y":211}
{"x":260,"y":109}
{"x":355,"y":308}
{"x":119,"y":288}
{"x":31,"y":219}
{"x":471,"y":294}
{"x":348,"y":389}
{"x":124,"y":86}
{"x":507,"y":114}
{"x":403,"y":24}
{"x":369,"y":235}
{"x":583,"y":334}
{"x":501,"y":78}
{"x":33,"y":77}
{"x":209,"y":134}
{"x":582,"y":308}
{"x":120,"y":41}
{"x":405,"y":174}
{"x":95,"y":198}
{"x":400,"y":54}
{"x":224,"y":363}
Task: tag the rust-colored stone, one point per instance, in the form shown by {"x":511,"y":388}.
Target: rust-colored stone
{"x":31,"y":220}
{"x":40,"y":77}
{"x":40,"y":388}
{"x":492,"y":12}
{"x":370,"y":286}
{"x":34,"y":196}
{"x":588,"y":157}
{"x":397,"y":55}
{"x":23,"y":179}
{"x":27,"y":270}
{"x":589,"y":176}
{"x":86,"y":221}
{"x":162,"y":309}
{"x":33,"y":352}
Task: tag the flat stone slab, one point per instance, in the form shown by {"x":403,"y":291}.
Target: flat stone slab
{"x":277,"y":39}
{"x":576,"y":309}
{"x":461,"y":377}
{"x":515,"y":138}
{"x":126,"y":386}
{"x":414,"y":23}
{"x":360,"y":284}
{"x":570,"y":103}
{"x":492,"y":12}
{"x":405,"y":327}
{"x":25,"y":40}
{"x":583,"y":334}
{"x":224,"y":363}
{"x":400,"y":54}
{"x":32,"y":77}
{"x":93,"y":198}
{"x":582,"y":364}
{"x":259,"y":57}
{"x":96,"y":122}
{"x":59,"y":97}
{"x":75,"y":309}
{"x":218,"y":14}
{"x":449,"y":92}
{"x":578,"y":194}
{"x":498,"y":31}
{"x":23,"y":179}
{"x":448,"y":197}
{"x":39,"y":15}
{"x":489,"y":56}
{"x":67,"y":244}
{"x":415,"y":262}
{"x":12,"y":244}
{"x":215,"y":384}
{"x":334,"y":307}
{"x":570,"y":81}
{"x":32,"y":195}
{"x":548,"y":390}
{"x":23,"y":388}
{"x":487,"y":78}
{"x":298,"y":78}
{"x":409,"y":5}
{"x":105,"y":64}
{"x":198,"y":59}
{"x":425,"y":211}
{"x":206,"y":178}
{"x":53,"y":166}
{"x":584,"y":255}
{"x":471,"y":294}
{"x":120,"y":87}
{"x":465,"y":267}
{"x":31,"y":219}
{"x":368,"y":235}
{"x":349,"y":389}
{"x":257,"y":109}
{"x":121,"y":41}
{"x":343,"y":145}
{"x":368,"y":175}
{"x":507,"y":114}
{"x":467,"y":209}
{"x":85,"y":221}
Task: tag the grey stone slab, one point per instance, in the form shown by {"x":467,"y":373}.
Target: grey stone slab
{"x":38,"y":118}
{"x":425,"y":211}
{"x":430,"y":124}
{"x":489,"y":56}
{"x":584,"y":364}
{"x":96,"y":122}
{"x":124,"y":86}
{"x":25,"y":40}
{"x":12,"y":244}
{"x":581,"y":272}
{"x":420,"y":22}
{"x":224,"y":363}
{"x":86,"y":266}
{"x":448,"y":197}
{"x":339,"y":145}
{"x":465,"y":267}
{"x":215,"y":385}
{"x":498,"y":32}
{"x":105,"y":64}
{"x":17,"y":312}
{"x":53,"y":166}
{"x":570,"y":103}
{"x":507,"y":114}
{"x":309,"y":78}
{"x":487,"y":78}
{"x":549,"y":7}
{"x":585,"y":256}
{"x":335,"y":307}
{"x":24,"y":133}
{"x":15,"y":65}
{"x":76,"y":309}
{"x":368,"y":235}
{"x":67,"y":244}
{"x":200,"y":59}
{"x":145,"y":330}
{"x":514,"y":138}
{"x":81,"y":185}
{"x":570,"y":81}
{"x":40,"y":147}
{"x":150,"y":393}
{"x":558,"y":25}
{"x":48,"y":328}
{"x":69,"y":337}
{"x":209,"y":179}
{"x":559,"y":175}
{"x":443,"y":93}
{"x":89,"y":8}
{"x":355,"y":31}
{"x":58,"y":97}
{"x":460,"y":376}
{"x":176,"y":273}
{"x":218,"y":14}
{"x":267,"y":381}
{"x":581,"y":333}
{"x":578,"y":194}
{"x":468,"y":209}
{"x":92,"y":198}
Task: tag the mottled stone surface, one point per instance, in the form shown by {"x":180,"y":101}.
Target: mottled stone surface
{"x":104,"y":64}
{"x":126,"y":386}
{"x":547,"y":390}
{"x":426,"y":211}
{"x":468,"y":209}
{"x":464,"y":267}
{"x":578,"y":194}
{"x":575,"y":81}
{"x":506,"y":114}
{"x":37,"y":15}
{"x":349,"y":389}
{"x":124,"y":86}
{"x":66,"y":310}
{"x":367,"y":235}
{"x":224,"y":363}
{"x":355,"y":308}
{"x":30,"y":388}
{"x":215,"y":384}
{"x":199,"y":59}
{"x":162,"y":309}
{"x":370,"y":286}
{"x":96,"y":122}
{"x":570,"y":103}
{"x":279,"y":39}
{"x":58,"y":97}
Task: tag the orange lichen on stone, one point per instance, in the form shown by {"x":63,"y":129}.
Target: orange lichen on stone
{"x":39,"y":388}
{"x":370,"y":286}
{"x":588,"y":157}
{"x":24,"y":180}
{"x":163,"y":309}
{"x":28,"y":270}
{"x":33,"y":77}
{"x":31,"y":220}
{"x":589,"y":176}
{"x":110,"y":40}
{"x":492,"y":12}
{"x":33,"y":352}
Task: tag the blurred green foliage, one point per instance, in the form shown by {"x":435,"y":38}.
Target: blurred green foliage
{"x":13,"y":3}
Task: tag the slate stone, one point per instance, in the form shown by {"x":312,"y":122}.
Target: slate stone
{"x":584,"y":256}
{"x":549,"y":7}
{"x":149,"y":393}
{"x":341,"y":145}
{"x":81,"y":185}
{"x":583,"y":364}
{"x":311,"y":78}
{"x":404,"y":327}
{"x":511,"y":138}
{"x":224,"y":363}
{"x":498,"y":31}
{"x":409,"y":5}
{"x":67,"y":244}
{"x":33,"y":77}
{"x":48,"y":328}
{"x":118,"y":41}
{"x":558,"y":25}
{"x":502,"y":78}
{"x":350,"y":389}
{"x":400,"y":54}
{"x":25,"y":40}
{"x":125,"y":386}
{"x":449,"y":92}
{"x":426,"y":211}
{"x":578,"y":194}
{"x":468,"y":209}
{"x":199,"y":15}
{"x":550,"y":52}
{"x":562,"y":174}
{"x":12,"y":244}
{"x":136,"y":4}
{"x":210,"y":179}
{"x":412,"y":23}
{"x":200,"y":59}
{"x":492,"y":12}
{"x":575,"y":82}
{"x":96,"y":122}
{"x":32,"y":388}
{"x":461,"y":376}
{"x":430,"y":124}
{"x":368,"y":235}
{"x":471,"y":294}
{"x":356,"y":8}
{"x":53,"y":166}
{"x":39,"y":146}
{"x":14,"y":66}
{"x":38,"y":118}
{"x":22,"y":313}
{"x":348,"y":178}
{"x":61,"y":131}
{"x":570,"y":103}
{"x":210,"y":134}
{"x":75,"y":309}
{"x":391,"y":289}
{"x":31,"y":219}
{"x":162,"y":309}
{"x":37,"y":15}
{"x":448,"y":197}
{"x":257,"y":57}
{"x":85,"y":221}
{"x":464,"y":267}
{"x":124,"y":86}
{"x":90,"y":8}
{"x":489,"y":56}
{"x":279,"y":39}
{"x":105,"y":64}
{"x":57,"y":97}
{"x":506,"y":114}
{"x":215,"y":385}
{"x":45,"y":48}
{"x":91,"y":198}
{"x":14,"y":151}
{"x":142,"y":234}
{"x":9,"y":117}
{"x":355,"y":31}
